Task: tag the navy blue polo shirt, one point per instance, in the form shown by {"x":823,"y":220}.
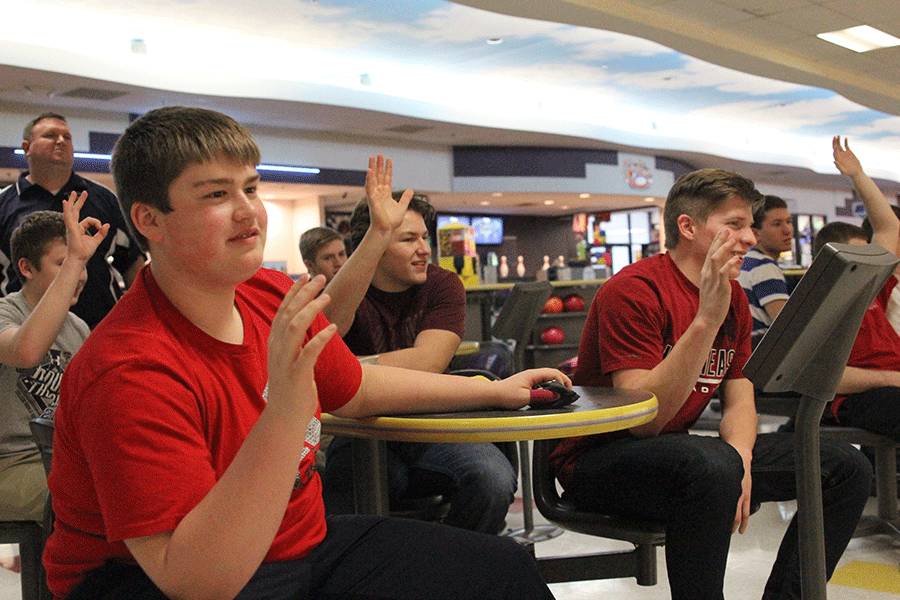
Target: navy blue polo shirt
{"x":119,"y":250}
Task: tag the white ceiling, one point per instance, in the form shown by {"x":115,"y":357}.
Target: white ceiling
{"x":740,"y":84}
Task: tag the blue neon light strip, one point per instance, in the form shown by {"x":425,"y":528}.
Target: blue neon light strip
{"x":281,"y":168}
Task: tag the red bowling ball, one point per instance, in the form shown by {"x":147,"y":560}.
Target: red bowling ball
{"x":573,"y":303}
{"x":553,"y":335}
{"x":554,"y":304}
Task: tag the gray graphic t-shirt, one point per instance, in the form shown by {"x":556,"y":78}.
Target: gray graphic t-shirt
{"x":32,"y":392}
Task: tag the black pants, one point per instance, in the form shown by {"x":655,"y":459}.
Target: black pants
{"x":876,"y":410}
{"x":692,"y":483}
{"x":368,"y":558}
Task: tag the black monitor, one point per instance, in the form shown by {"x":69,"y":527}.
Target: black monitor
{"x":808,"y":344}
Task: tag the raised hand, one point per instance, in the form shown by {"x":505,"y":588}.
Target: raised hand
{"x":720,"y":266}
{"x":79,"y":243}
{"x":385,"y":213}
{"x":844,"y":158}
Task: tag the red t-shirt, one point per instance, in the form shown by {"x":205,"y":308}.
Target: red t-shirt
{"x":634,"y":321}
{"x":877,"y":344}
{"x":152,"y":412}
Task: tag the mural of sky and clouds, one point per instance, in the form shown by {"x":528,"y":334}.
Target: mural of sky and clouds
{"x":543,"y":76}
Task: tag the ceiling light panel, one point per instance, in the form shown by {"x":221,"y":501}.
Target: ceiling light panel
{"x":862,"y":38}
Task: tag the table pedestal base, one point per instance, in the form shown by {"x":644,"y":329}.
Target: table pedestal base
{"x":537,"y":533}
{"x":530,"y":532}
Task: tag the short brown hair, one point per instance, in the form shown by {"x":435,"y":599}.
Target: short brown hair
{"x":769,"y":203}
{"x":32,"y":236}
{"x":699,"y":193}
{"x":313,"y":239}
{"x":29,"y":129}
{"x":160,"y":145}
{"x":360,"y":219}
{"x":837,"y":232}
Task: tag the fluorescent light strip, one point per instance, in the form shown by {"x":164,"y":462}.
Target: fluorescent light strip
{"x":305,"y":170}
{"x":87,"y":155}
{"x":860,"y":39}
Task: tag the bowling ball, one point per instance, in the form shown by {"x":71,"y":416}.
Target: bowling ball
{"x":573,"y":303}
{"x":553,"y":335}
{"x":554,"y":304}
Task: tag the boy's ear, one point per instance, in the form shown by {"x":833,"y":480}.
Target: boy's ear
{"x":26,"y":269}
{"x":309,"y":265}
{"x":146,"y":220}
{"x":686,"y":227}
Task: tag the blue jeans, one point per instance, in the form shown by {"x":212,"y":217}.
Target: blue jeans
{"x":477,"y":479}
{"x":692,"y":483}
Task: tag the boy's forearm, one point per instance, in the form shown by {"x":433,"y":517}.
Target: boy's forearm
{"x":433,"y":350}
{"x":349,"y":286}
{"x":220,"y":544}
{"x":673,"y":379}
{"x":389,"y":390}
{"x":739,"y":419}
{"x":856,"y":380}
{"x":885,"y":225}
{"x":31,"y":341}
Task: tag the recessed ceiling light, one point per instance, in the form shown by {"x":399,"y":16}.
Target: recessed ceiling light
{"x":485,"y":203}
{"x":860,"y":39}
{"x":584,"y":196}
{"x":497,"y":194}
{"x":138,"y":46}
{"x":649,"y":199}
{"x":494,"y":41}
{"x":549,"y":202}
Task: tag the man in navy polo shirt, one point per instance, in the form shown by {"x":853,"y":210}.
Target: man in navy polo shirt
{"x":47,"y":143}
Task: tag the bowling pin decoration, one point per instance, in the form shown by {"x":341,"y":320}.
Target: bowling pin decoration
{"x":504,"y":267}
{"x":520,"y":267}
{"x":546,"y":266}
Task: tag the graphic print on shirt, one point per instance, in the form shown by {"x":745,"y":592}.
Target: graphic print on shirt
{"x":38,"y":387}
{"x":310,"y":445}
{"x":714,"y":369}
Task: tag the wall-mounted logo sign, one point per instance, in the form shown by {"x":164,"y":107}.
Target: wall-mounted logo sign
{"x":637,"y":175}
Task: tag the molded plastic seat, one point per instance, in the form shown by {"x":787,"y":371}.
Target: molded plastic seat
{"x":639,"y":563}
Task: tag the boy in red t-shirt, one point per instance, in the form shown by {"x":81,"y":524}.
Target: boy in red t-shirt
{"x":869,"y":393}
{"x":189,"y":420}
{"x":678,"y":325}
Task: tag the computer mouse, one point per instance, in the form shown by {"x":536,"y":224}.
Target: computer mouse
{"x":551,"y":394}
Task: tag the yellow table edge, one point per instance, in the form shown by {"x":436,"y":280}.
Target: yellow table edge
{"x":540,"y":426}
